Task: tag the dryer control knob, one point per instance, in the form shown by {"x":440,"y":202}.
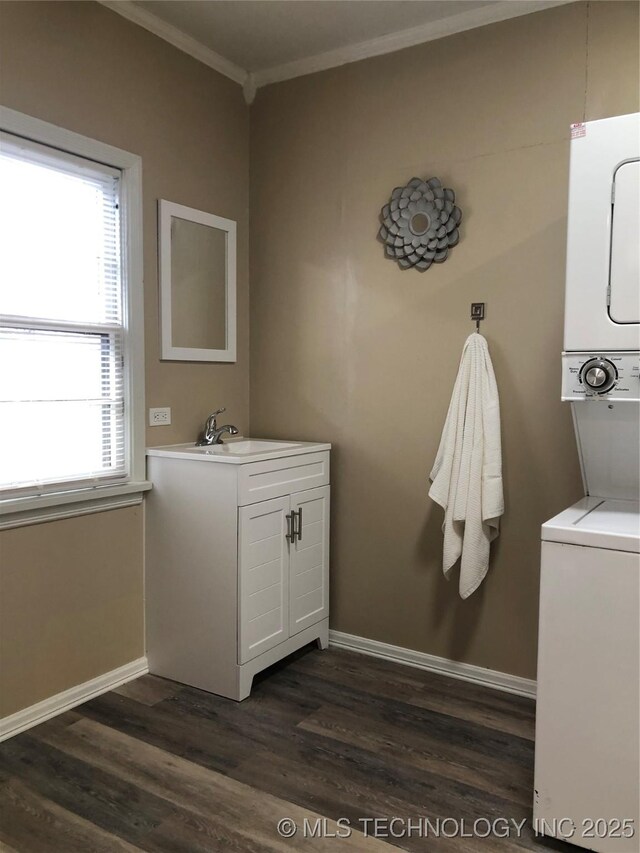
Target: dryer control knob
{"x":599,"y":375}
{"x":595,"y":377}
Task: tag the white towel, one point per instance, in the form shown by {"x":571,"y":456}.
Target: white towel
{"x":467,"y":474}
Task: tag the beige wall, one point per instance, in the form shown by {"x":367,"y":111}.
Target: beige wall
{"x":80,"y":66}
{"x":346,"y":347}
{"x":70,"y":603}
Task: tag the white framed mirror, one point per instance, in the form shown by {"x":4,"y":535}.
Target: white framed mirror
{"x":197,"y":257}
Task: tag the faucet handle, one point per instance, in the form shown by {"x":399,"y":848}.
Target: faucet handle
{"x":211,"y":420}
{"x":211,"y":425}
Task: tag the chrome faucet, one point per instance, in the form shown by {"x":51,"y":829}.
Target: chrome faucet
{"x":212,"y":433}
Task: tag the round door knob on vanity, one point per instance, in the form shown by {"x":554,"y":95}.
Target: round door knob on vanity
{"x":599,"y":375}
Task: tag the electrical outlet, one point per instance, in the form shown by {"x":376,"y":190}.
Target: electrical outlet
{"x":160,"y":417}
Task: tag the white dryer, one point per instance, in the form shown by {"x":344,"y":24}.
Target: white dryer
{"x":588,"y":710}
{"x":602,"y":294}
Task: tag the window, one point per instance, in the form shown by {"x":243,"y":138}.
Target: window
{"x":67,"y":365}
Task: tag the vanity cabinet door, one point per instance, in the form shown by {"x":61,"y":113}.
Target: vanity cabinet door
{"x":309,"y":565}
{"x":263,"y":551}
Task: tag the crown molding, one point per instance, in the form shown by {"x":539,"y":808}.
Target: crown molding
{"x":252,"y":81}
{"x":249,"y":88}
{"x":177,"y":38}
{"x":392,"y":42}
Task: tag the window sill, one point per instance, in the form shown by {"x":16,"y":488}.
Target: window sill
{"x":18,"y":512}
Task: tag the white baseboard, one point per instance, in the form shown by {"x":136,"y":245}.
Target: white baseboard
{"x":54,"y":705}
{"x":452,"y":668}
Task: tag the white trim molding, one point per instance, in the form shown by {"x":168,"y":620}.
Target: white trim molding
{"x":187,"y":44}
{"x":54,"y":507}
{"x":249,"y":89}
{"x":251,"y":81}
{"x":443,"y":666}
{"x":68,"y":699}
{"x":167,"y":212}
{"x":402,"y":39}
{"x":29,"y":509}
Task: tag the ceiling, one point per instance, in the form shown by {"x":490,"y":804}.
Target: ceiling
{"x":256,"y":42}
{"x":257,"y":35}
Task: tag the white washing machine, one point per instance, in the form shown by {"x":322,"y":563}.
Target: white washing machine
{"x":587,"y":788}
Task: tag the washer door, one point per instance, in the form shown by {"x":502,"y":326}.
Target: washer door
{"x":624,"y":273}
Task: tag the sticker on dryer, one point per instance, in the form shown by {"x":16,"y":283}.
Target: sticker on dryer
{"x":578,"y":129}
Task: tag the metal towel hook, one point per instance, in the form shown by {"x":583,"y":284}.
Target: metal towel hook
{"x":477,"y":313}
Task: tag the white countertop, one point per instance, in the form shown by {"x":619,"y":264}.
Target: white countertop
{"x":239,"y":451}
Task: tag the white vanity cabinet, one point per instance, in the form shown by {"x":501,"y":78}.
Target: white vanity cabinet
{"x":283,"y":583}
{"x":237,"y":559}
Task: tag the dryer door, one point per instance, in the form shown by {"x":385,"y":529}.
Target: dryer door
{"x":624,"y":273}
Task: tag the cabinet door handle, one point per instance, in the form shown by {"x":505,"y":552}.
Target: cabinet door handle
{"x":298,"y":530}
{"x":291,"y":527}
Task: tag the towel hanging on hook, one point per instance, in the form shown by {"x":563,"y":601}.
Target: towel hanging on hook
{"x":466,"y":479}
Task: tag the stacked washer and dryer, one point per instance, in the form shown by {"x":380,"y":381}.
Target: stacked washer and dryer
{"x":588,"y":712}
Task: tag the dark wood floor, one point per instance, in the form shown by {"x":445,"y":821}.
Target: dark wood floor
{"x":158,"y":766}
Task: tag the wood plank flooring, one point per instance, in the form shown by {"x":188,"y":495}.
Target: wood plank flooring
{"x":333,"y":735}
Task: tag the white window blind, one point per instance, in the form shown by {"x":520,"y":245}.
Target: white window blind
{"x":62,"y":338}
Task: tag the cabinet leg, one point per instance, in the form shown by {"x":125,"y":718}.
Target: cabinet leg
{"x":323,"y":639}
{"x":244,"y":685}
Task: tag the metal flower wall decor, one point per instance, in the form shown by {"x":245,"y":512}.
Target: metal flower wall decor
{"x":420,"y":224}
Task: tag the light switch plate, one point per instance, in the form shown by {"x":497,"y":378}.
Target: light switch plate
{"x":160,"y":417}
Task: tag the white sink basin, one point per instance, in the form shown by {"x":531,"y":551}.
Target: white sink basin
{"x":238,"y":451}
{"x":246,"y":447}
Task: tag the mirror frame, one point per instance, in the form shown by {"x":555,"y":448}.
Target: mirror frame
{"x":168,"y":352}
